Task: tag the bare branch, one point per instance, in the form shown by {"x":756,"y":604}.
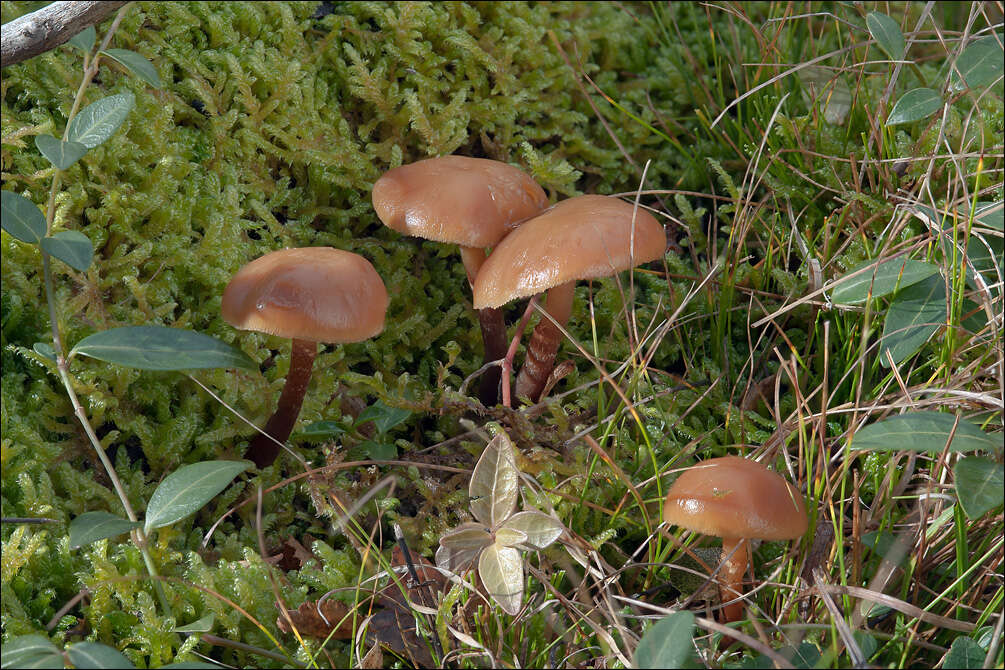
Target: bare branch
{"x":49,"y":27}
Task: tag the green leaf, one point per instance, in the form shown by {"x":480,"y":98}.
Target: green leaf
{"x":96,"y":656}
{"x":980,"y":485}
{"x":203,"y":625}
{"x":667,"y":643}
{"x":916,"y":104}
{"x":867,"y":644}
{"x":93,"y":526}
{"x":494,"y":482}
{"x":45,"y":349}
{"x":805,"y":655}
{"x":980,"y":64}
{"x":71,"y":247}
{"x":98,"y":121}
{"x":191,"y":665}
{"x":460,"y":547}
{"x":160,"y":348}
{"x":136,"y":64}
{"x":501,"y":571}
{"x":539,"y":528}
{"x":886,"y":278}
{"x":510,"y":537}
{"x":31,"y":651}
{"x":379,"y":451}
{"x":923,"y":431}
{"x":915,"y":314}
{"x":887,"y":34}
{"x":991,"y":214}
{"x":384,"y":418}
{"x":59,"y":153}
{"x":321,"y":430}
{"x":84,"y":40}
{"x":188,"y":489}
{"x":828,"y":91}
{"x":964,"y":654}
{"x":22,"y":218}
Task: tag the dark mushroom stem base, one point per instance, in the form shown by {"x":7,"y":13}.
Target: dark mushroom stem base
{"x":493,"y":328}
{"x":544,"y":342}
{"x":264,"y":449}
{"x":736,"y":552}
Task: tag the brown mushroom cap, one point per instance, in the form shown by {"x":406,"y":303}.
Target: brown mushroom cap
{"x":734,"y":497}
{"x":584,"y":237}
{"x":314,"y":293}
{"x":473,"y":202}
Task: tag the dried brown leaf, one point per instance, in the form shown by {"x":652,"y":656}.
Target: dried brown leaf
{"x":318,"y":622}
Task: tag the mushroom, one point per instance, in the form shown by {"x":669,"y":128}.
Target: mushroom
{"x":585,"y":237}
{"x":311,"y":295}
{"x":738,"y":500}
{"x":470,"y":202}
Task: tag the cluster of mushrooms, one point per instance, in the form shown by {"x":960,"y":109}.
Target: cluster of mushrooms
{"x":513,"y":245}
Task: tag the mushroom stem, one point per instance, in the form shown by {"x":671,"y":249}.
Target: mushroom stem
{"x":493,"y":330}
{"x":507,"y":364}
{"x":736,"y":555}
{"x":264,"y":447}
{"x":544,"y":342}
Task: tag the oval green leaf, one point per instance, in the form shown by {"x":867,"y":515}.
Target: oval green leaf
{"x":510,"y":537}
{"x":384,"y":418}
{"x":915,"y":314}
{"x":460,"y":547}
{"x":991,"y":214}
{"x":667,"y":643}
{"x":98,"y":121}
{"x":964,"y":654}
{"x":886,"y":278}
{"x":980,"y":64}
{"x":922,"y":431}
{"x":203,"y":625}
{"x":916,"y":104}
{"x":887,"y":34}
{"x":501,"y":572}
{"x":71,"y":247}
{"x":45,"y":349}
{"x":31,"y":651}
{"x":160,"y":348}
{"x":22,"y":218}
{"x":379,"y":451}
{"x":93,"y":526}
{"x":321,"y":430}
{"x":136,"y":64}
{"x":494,"y":482}
{"x":980,"y":485}
{"x":540,"y":529}
{"x":96,"y":656}
{"x":188,"y":489}
{"x":84,"y":40}
{"x":59,"y":153}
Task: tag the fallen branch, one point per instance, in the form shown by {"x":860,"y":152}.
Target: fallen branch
{"x":47,"y":28}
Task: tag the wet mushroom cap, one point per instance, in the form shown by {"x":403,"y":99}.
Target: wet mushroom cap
{"x":585,"y":237}
{"x":473,"y":202}
{"x":734,"y":497}
{"x":313,"y":293}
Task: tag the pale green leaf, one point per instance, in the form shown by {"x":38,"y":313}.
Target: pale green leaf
{"x":203,"y":625}
{"x":84,"y":40}
{"x":31,"y":651}
{"x":980,"y":64}
{"x":45,"y":349}
{"x":991,"y":214}
{"x":59,"y":153}
{"x":980,"y":485}
{"x":887,"y":34}
{"x":923,"y":431}
{"x":885,"y":278}
{"x":494,"y":482}
{"x":93,"y":526}
{"x":667,"y":643}
{"x":22,"y":219}
{"x":501,"y":571}
{"x":828,"y":90}
{"x":915,"y":314}
{"x":160,"y":348}
{"x":510,"y":537}
{"x":98,"y":121}
{"x":460,"y":547}
{"x":136,"y":64}
{"x":188,"y":489}
{"x":916,"y":104}
{"x":539,"y":528}
{"x":70,"y":246}
{"x":96,"y":656}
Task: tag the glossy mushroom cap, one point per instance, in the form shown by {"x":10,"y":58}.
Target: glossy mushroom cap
{"x":734,"y":497}
{"x":584,"y":237}
{"x":473,"y":202}
{"x":314,"y":293}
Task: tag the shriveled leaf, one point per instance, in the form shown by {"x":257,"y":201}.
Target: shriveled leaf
{"x":667,"y":643}
{"x":916,"y":104}
{"x":96,"y":656}
{"x":980,"y":485}
{"x":203,"y":625}
{"x":501,"y":571}
{"x":980,"y":64}
{"x":93,"y":526}
{"x":70,"y":246}
{"x":187,"y":489}
{"x":59,"y":153}
{"x":539,"y":528}
{"x":136,"y":64}
{"x":915,"y":314}
{"x":494,"y":482}
{"x":22,"y":219}
{"x":384,"y":418}
{"x":396,"y":631}
{"x":460,"y":547}
{"x":923,"y":431}
{"x":964,"y":654}
{"x":84,"y":40}
{"x":885,"y":278}
{"x":887,"y":34}
{"x":319,"y":620}
{"x":160,"y":348}
{"x":510,"y":537}
{"x":98,"y":121}
{"x":31,"y":651}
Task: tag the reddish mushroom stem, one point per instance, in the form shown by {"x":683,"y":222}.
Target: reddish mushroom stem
{"x":264,"y":449}
{"x":544,"y":342}
{"x":493,"y":330}
{"x":736,"y":554}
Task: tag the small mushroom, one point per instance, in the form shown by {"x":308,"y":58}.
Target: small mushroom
{"x":585,"y":237}
{"x":470,"y":202}
{"x":738,"y":500}
{"x":311,"y":295}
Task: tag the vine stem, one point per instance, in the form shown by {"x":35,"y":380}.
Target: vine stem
{"x":62,"y":364}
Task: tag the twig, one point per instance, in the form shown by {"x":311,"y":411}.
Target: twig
{"x":47,"y":28}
